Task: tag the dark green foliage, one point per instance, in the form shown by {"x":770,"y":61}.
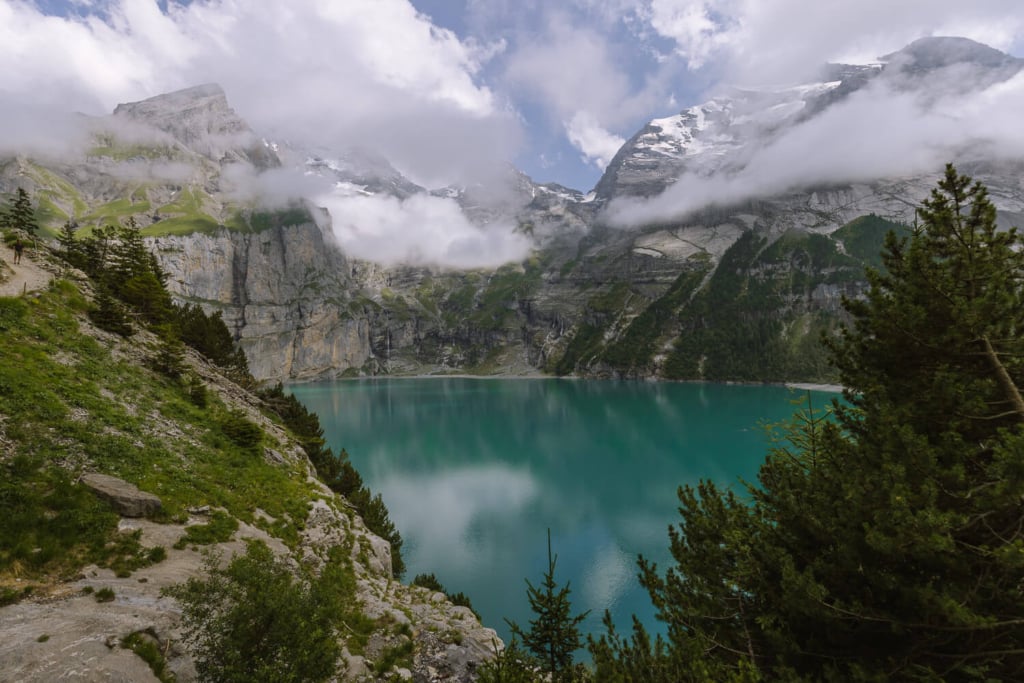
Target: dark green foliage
{"x":145,"y":645}
{"x":864,"y":237}
{"x":752,"y":320}
{"x":430,"y":582}
{"x":170,"y":356}
{"x":375,"y":513}
{"x":104,"y":595}
{"x":128,"y":256}
{"x":882,"y":543}
{"x":511,"y":665}
{"x":253,"y":621}
{"x":554,"y":636}
{"x":335,"y":471}
{"x":197,"y":393}
{"x":126,"y":272}
{"x":146,"y":297}
{"x":219,"y":529}
{"x":241,"y":430}
{"x":643,"y":660}
{"x":635,"y":348}
{"x":19,"y":214}
{"x":207,"y":334}
{"x":109,"y":314}
{"x":583,"y":348}
{"x":70,"y":248}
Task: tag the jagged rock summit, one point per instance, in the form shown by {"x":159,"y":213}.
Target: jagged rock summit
{"x":201,"y":120}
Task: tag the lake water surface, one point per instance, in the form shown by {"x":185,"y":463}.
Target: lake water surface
{"x":474,"y":471}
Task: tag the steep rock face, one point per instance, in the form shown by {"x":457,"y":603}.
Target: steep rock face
{"x":284,"y":291}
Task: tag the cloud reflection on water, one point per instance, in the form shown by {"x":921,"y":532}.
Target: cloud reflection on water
{"x":441,"y":512}
{"x":474,"y":471}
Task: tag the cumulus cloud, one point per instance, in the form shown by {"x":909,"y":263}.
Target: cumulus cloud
{"x":318,"y":74}
{"x":879,"y":132}
{"x":597,"y":144}
{"x":310,"y":71}
{"x":579,"y":78}
{"x":759,"y":41}
{"x":420,"y":230}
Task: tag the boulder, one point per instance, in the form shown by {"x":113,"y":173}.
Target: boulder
{"x":126,"y":498}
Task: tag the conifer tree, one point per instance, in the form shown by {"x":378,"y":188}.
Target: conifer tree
{"x":129,"y":257}
{"x":109,"y":314}
{"x":170,"y":356}
{"x":20,"y":215}
{"x":70,"y":247}
{"x":554,"y":636}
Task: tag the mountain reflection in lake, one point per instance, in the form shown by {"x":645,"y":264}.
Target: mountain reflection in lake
{"x":474,"y":471}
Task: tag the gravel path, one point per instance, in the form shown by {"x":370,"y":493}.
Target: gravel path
{"x":23,"y":277}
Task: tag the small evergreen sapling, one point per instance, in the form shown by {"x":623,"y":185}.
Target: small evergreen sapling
{"x":554,"y":635}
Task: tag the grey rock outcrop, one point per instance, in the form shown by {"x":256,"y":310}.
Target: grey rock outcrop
{"x":201,"y":120}
{"x":285,"y":292}
{"x":126,"y":498}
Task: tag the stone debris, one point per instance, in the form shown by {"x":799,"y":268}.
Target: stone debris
{"x":126,"y":498}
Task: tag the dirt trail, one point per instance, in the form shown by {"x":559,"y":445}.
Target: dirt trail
{"x":23,"y":277}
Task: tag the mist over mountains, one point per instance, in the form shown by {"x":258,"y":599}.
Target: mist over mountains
{"x":330,"y":261}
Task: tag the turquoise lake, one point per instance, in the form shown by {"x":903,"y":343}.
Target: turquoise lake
{"x":474,"y":472}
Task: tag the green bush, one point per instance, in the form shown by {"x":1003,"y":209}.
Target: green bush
{"x":219,"y":529}
{"x":241,"y":431}
{"x":253,"y":621}
{"x":144,"y":645}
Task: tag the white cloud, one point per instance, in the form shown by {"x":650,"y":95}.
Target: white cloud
{"x":456,"y":501}
{"x":762,"y":40}
{"x":308,"y":71}
{"x":597,"y":144}
{"x":577,"y":76}
{"x":420,"y":230}
{"x":700,"y":28}
{"x":876,"y":133}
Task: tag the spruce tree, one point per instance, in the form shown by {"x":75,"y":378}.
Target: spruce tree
{"x":108,"y":313}
{"x":554,"y":636}
{"x":70,"y":248}
{"x":20,"y":215}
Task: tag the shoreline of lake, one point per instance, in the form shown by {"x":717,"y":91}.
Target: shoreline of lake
{"x":798,"y":386}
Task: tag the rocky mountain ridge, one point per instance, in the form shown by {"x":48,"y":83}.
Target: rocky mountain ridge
{"x":302,"y":309}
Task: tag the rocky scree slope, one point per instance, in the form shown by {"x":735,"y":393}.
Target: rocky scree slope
{"x":77,"y":402}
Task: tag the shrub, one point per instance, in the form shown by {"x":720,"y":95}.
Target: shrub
{"x":252,"y":621}
{"x":241,"y":431}
{"x":219,"y":529}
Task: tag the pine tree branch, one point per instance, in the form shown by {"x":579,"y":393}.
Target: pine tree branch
{"x":1004,"y":379}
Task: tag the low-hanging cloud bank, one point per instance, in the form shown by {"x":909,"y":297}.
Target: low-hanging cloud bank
{"x":422,"y":230}
{"x":879,"y":132}
{"x":369,"y":72}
